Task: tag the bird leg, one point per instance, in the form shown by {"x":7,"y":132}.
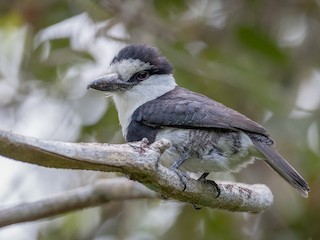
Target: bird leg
{"x":179,"y":162}
{"x":175,"y":167}
{"x":203,"y":176}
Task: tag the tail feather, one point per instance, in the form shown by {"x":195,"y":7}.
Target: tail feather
{"x":282,"y":167}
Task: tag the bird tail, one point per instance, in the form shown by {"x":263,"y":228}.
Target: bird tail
{"x":282,"y":167}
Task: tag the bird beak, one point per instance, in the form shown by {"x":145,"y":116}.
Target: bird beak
{"x":110,"y":83}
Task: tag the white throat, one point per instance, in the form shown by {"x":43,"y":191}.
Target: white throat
{"x":128,"y":101}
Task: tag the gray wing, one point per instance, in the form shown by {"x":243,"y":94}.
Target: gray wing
{"x":182,"y":108}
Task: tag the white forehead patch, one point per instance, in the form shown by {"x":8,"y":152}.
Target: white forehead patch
{"x":128,"y":67}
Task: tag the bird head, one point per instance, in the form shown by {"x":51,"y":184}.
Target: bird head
{"x":136,"y":64}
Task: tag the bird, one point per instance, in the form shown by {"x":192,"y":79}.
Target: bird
{"x":206,"y":136}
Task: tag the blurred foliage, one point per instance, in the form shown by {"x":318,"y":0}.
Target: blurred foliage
{"x":258,"y":57}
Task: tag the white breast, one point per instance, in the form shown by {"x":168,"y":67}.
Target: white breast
{"x":128,"y":101}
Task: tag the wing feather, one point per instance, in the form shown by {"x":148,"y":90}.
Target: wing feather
{"x":182,"y":108}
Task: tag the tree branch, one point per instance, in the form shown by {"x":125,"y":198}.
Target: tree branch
{"x":140,"y":162}
{"x":93,"y":195}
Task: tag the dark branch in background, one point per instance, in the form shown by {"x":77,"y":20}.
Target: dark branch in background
{"x":138,"y":161}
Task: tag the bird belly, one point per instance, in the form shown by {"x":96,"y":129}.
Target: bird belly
{"x":208,"y":150}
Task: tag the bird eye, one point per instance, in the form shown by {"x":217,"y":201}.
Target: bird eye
{"x":142,"y":75}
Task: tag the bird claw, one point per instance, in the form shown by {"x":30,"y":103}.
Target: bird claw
{"x":202,"y":178}
{"x":213,"y":183}
{"x":182,"y":176}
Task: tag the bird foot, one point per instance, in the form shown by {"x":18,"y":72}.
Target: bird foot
{"x":202,"y":178}
{"x":182,"y":176}
{"x":215,"y":185}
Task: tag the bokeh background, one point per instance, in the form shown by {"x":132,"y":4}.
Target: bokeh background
{"x":261,"y":58}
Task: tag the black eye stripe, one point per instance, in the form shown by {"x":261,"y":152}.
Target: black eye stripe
{"x":150,"y":71}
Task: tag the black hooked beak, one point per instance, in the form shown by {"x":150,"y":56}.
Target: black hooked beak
{"x":110,"y":83}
